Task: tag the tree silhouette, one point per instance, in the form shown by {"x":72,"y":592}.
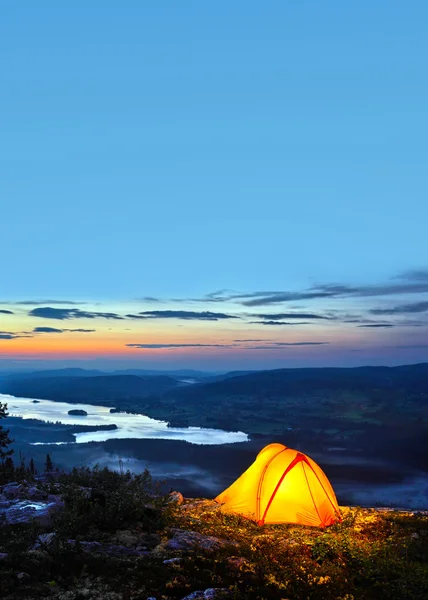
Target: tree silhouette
{"x":48,"y":464}
{"x":5,"y":440}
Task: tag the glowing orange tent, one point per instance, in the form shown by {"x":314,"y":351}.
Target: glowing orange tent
{"x":283,"y":486}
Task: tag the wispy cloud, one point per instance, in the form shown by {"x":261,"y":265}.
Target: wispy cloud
{"x":412,"y":346}
{"x":160,"y":346}
{"x":278,"y":345}
{"x":186,"y":315}
{"x":280,"y":323}
{"x":55,"y":330}
{"x":241,"y":341}
{"x":415,"y":307}
{"x":11,"y":335}
{"x":412,"y":282}
{"x":414,"y":275}
{"x":377,"y":325}
{"x":270,"y":346}
{"x":41,"y":302}
{"x":149,"y":299}
{"x":289,"y":315}
{"x":47,"y":312}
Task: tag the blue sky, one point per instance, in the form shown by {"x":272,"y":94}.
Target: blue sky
{"x":176,"y":149}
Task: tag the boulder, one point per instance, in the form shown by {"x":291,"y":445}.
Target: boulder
{"x":198,"y":595}
{"x":190,"y":540}
{"x":45,"y":539}
{"x":25,"y":511}
{"x":33,"y":493}
{"x":176,"y":498}
{"x":213,"y":593}
{"x":13,"y":491}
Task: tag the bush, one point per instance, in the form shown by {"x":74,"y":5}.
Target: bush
{"x":101,"y":501}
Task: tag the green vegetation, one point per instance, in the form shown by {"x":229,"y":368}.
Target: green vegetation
{"x":5,"y":440}
{"x":371,"y":555}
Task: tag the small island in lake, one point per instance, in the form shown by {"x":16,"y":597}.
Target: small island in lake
{"x":78,"y":412}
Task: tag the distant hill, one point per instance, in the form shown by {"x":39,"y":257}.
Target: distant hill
{"x":78,"y":372}
{"x":108,"y":389}
{"x":70,"y":372}
{"x":280,"y":381}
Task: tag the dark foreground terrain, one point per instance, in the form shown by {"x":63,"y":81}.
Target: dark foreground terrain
{"x":109,"y":536}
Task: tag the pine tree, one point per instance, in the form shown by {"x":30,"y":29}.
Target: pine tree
{"x":5,"y":440}
{"x":48,"y":464}
{"x":32,"y":467}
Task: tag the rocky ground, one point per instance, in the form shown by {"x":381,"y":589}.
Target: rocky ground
{"x":111,"y":536}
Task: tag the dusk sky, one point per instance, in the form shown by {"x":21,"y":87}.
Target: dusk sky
{"x":214,"y":186}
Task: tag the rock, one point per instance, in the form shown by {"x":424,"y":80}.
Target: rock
{"x":44,"y":540}
{"x":110,"y":549}
{"x":13,"y":491}
{"x":124,"y":551}
{"x":35,"y":494}
{"x":198,"y":595}
{"x":190,"y":540}
{"x":213,"y":593}
{"x":25,"y":511}
{"x":23,"y":576}
{"x":170,"y":561}
{"x":176,"y":498}
{"x":3,"y":555}
{"x":126,"y":538}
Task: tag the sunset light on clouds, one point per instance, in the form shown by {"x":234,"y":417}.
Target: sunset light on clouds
{"x":317,"y":326}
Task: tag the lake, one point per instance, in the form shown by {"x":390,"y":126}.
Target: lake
{"x":129,"y":426}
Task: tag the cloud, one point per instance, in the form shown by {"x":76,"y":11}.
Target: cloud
{"x":240,"y":341}
{"x":374,"y":325}
{"x":279,"y":323}
{"x":10,"y":335}
{"x":412,"y":346}
{"x":266,"y":298}
{"x":288,"y":315}
{"x":187,"y":315}
{"x":6,"y":312}
{"x":415,"y":275}
{"x":55,"y":330}
{"x":149,"y":299}
{"x":41,"y":302}
{"x":301,"y":343}
{"x":273,"y":345}
{"x":278,"y":345}
{"x":416,"y":307}
{"x":47,"y":312}
{"x":413,"y":282}
{"x":159,"y":346}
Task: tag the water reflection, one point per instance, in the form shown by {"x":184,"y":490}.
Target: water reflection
{"x":128,"y":425}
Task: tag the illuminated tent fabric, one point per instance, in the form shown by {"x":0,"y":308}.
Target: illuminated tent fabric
{"x":283,"y":486}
